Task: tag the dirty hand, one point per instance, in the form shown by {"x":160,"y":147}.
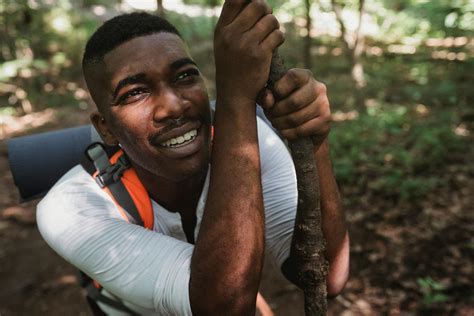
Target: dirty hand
{"x":244,"y":39}
{"x":298,"y":106}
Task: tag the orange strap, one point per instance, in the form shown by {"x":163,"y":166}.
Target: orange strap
{"x":137,"y":192}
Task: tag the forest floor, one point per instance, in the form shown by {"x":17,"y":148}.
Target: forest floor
{"x":405,"y":259}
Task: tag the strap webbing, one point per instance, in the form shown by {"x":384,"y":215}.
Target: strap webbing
{"x":123,"y":198}
{"x":96,"y":295}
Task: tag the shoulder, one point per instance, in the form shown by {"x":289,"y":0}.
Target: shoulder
{"x":73,"y":187}
{"x":70,"y":203}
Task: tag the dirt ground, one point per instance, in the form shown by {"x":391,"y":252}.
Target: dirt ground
{"x":405,"y":260}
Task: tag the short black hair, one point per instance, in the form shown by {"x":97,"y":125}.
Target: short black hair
{"x":121,"y":29}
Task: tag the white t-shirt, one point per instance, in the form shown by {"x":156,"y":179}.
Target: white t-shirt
{"x":148,"y":270}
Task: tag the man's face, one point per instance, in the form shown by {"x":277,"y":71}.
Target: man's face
{"x":155,"y":104}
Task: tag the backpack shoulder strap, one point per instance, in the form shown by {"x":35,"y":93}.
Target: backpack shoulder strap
{"x":116,"y":177}
{"x":108,"y":176}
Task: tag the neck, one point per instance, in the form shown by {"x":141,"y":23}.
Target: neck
{"x":175,"y":196}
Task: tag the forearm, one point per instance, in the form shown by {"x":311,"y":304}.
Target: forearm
{"x":229,"y":250}
{"x":333,"y":222}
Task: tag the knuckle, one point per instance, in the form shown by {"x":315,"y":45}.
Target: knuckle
{"x":292,"y":104}
{"x":325,"y":107}
{"x":321,"y":88}
{"x":274,"y":22}
{"x":292,"y":120}
{"x":280,"y":36}
{"x":293,"y":75}
{"x":327,"y":118}
{"x":261,"y":6}
{"x":300,"y":132}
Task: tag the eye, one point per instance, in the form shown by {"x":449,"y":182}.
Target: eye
{"x":133,"y":95}
{"x":187,"y":76}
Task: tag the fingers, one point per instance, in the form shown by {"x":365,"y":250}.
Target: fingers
{"x":316,"y":109}
{"x":264,"y":27}
{"x":250,"y":15}
{"x":304,"y":112}
{"x":295,"y":119}
{"x":298,"y":99}
{"x":230,"y":10}
{"x":321,"y":124}
{"x":266,"y":100}
{"x":292,"y":80}
{"x":273,"y":40}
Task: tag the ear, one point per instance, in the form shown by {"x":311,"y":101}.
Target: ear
{"x":100,"y":124}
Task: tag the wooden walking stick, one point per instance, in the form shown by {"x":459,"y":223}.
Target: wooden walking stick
{"x":307,"y":247}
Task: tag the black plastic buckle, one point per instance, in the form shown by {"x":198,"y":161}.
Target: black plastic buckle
{"x":113,"y":173}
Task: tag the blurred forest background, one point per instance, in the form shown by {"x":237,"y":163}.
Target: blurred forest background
{"x":400,"y":76}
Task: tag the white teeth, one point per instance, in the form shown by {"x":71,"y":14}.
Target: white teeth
{"x":174,"y":142}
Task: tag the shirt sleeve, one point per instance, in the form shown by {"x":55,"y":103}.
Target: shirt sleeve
{"x":145,"y":268}
{"x":279,"y":192}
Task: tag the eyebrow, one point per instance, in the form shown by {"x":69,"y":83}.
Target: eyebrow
{"x":182,"y":62}
{"x":133,"y":79}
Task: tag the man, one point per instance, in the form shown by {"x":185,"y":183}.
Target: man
{"x":219,"y":201}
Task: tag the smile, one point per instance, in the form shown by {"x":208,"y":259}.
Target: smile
{"x":180,"y":140}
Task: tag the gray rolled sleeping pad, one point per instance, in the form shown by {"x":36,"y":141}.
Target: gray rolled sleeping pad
{"x":38,"y":161}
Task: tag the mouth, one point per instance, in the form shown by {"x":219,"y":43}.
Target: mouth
{"x":181,"y":140}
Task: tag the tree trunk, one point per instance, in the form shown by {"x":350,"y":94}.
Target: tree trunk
{"x":160,"y":10}
{"x":307,"y":42}
{"x":353,"y":51}
{"x":307,"y":247}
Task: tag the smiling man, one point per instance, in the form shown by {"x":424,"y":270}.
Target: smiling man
{"x":222,"y":190}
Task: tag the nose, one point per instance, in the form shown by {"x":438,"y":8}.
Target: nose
{"x":169,"y":105}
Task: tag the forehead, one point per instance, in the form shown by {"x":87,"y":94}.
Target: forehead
{"x":144,"y":53}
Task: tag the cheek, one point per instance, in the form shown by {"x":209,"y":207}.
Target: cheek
{"x":198,"y":94}
{"x":128,"y":129}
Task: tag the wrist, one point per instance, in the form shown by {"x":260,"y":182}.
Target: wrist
{"x":230,"y":92}
{"x":234,"y":103}
{"x":322,"y":151}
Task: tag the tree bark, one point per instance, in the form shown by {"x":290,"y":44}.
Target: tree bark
{"x":307,"y":247}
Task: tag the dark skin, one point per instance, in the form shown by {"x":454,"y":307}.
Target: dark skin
{"x":149,"y":91}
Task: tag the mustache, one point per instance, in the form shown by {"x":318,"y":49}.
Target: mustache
{"x":171,"y":124}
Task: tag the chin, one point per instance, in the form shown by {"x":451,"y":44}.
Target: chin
{"x":186,"y":169}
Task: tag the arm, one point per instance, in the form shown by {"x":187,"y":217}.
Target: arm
{"x":146,"y":269}
{"x":333,"y":222}
{"x":300,"y":108}
{"x":228,"y":255}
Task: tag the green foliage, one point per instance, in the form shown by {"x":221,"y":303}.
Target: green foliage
{"x":42,"y":45}
{"x":394,"y":152}
{"x":432,"y":291}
